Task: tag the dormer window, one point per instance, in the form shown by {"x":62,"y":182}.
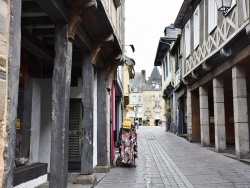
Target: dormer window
{"x":157,"y":86}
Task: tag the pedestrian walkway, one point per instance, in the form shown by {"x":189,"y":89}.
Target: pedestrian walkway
{"x":166,"y":160}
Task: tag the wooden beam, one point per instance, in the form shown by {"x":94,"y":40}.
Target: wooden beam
{"x":87,"y":119}
{"x":60,"y":108}
{"x":30,"y":7}
{"x":84,"y":37}
{"x":58,"y":12}
{"x":83,"y":3}
{"x":13,"y":87}
{"x":55,"y":9}
{"x":41,"y":21}
{"x":102,"y":158}
{"x":44,"y":32}
{"x":228,"y":64}
{"x":36,"y":46}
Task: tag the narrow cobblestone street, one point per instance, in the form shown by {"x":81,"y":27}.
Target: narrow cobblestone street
{"x":166,"y":160}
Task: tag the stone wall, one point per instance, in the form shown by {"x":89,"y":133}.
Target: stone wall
{"x":4,"y":48}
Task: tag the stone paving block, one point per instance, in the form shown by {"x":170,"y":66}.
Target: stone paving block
{"x":170,"y":161}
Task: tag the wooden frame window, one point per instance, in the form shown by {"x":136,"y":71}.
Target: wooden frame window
{"x":187,"y":39}
{"x":196,"y":18}
{"x":212,"y":15}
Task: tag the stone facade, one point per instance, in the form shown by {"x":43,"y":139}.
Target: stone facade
{"x":4,"y":48}
{"x":146,"y":97}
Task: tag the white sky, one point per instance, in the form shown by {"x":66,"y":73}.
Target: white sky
{"x":145,"y":21}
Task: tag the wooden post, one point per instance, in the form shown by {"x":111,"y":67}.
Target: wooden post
{"x":60,"y":108}
{"x":87,"y":122}
{"x":102,"y":119}
{"x":13,"y":84}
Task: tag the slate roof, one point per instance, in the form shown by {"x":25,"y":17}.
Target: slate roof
{"x":136,"y":82}
{"x":156,"y":76}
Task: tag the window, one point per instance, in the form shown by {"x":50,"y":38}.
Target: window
{"x":157,"y":104}
{"x":187,"y":39}
{"x":139,"y":99}
{"x":157,"y":86}
{"x":134,"y":99}
{"x":135,"y":89}
{"x":176,"y":55}
{"x":196,"y":27}
{"x":166,"y":66}
{"x":139,"y":109}
{"x":212,"y":15}
{"x":164,"y":71}
{"x":157,"y":93}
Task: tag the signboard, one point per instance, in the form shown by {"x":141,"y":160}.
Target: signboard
{"x":18,"y":124}
{"x":127,"y":123}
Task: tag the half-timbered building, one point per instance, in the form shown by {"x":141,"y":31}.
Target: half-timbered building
{"x":58,"y":83}
{"x":214,"y":63}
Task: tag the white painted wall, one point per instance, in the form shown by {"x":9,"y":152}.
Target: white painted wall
{"x":35,"y":120}
{"x":76,"y":92}
{"x":33,"y":183}
{"x":95,"y":122}
{"x":46,"y":121}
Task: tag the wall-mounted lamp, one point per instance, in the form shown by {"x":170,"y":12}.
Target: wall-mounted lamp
{"x":223,"y":6}
{"x":132,"y":47}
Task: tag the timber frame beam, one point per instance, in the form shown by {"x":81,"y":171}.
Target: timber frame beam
{"x":228,"y":64}
{"x":37,"y":46}
{"x":57,"y":11}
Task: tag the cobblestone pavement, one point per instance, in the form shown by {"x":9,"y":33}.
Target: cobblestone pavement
{"x":166,"y":160}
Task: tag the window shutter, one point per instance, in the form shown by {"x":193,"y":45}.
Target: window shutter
{"x":75,"y":119}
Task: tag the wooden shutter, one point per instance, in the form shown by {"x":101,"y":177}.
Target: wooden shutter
{"x":75,"y":133}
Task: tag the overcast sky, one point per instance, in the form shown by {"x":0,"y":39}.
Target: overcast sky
{"x":145,"y":21}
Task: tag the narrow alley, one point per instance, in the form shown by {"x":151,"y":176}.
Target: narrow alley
{"x":166,"y":160}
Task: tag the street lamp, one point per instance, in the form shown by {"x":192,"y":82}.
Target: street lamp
{"x":223,"y":6}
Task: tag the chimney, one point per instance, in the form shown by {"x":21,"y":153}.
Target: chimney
{"x":143,"y":77}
